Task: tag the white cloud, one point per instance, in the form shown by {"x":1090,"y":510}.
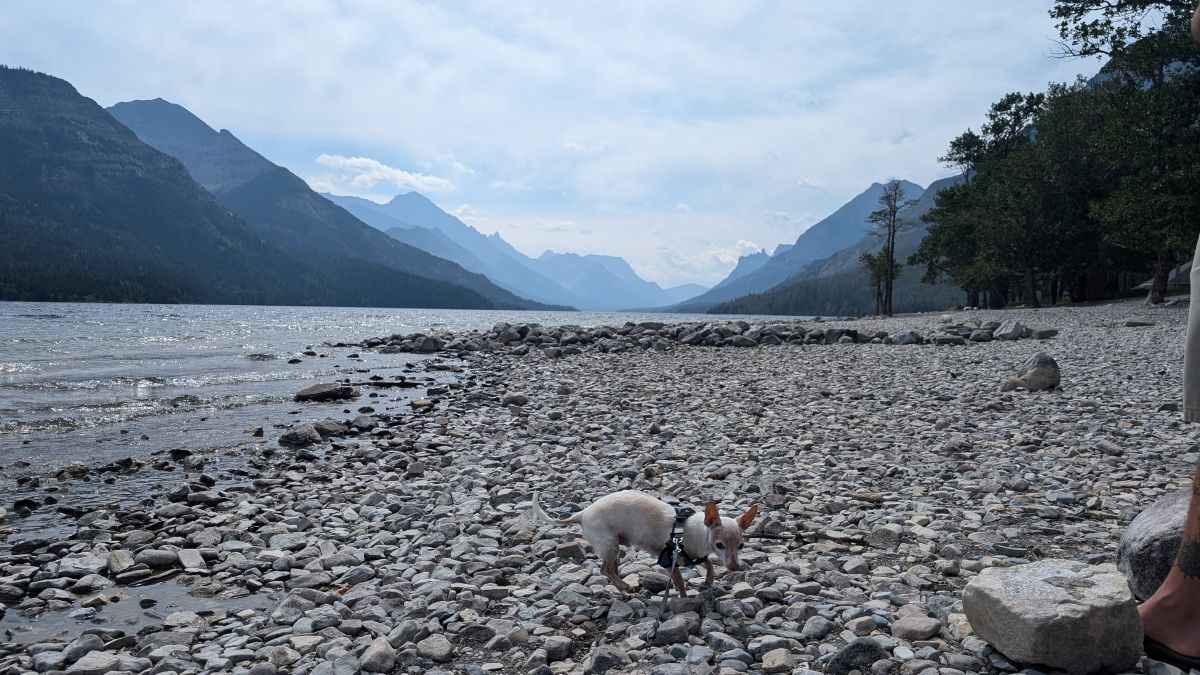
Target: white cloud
{"x":708,"y":265}
{"x":514,"y":185}
{"x":366,"y":173}
{"x":682,"y":208}
{"x":793,"y":225}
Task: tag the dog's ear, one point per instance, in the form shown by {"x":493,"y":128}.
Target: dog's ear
{"x":711,"y":518}
{"x":746,"y":518}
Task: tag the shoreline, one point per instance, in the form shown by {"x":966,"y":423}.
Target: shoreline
{"x":885,"y":474}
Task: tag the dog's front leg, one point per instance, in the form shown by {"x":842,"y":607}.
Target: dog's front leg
{"x":710,"y":573}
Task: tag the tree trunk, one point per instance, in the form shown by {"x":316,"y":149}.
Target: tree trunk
{"x":1031,"y":288}
{"x":973,"y":298}
{"x":1163,"y":262}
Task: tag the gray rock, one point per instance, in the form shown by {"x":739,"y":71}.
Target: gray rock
{"x":95,"y":663}
{"x":778,"y":661}
{"x":80,"y":566}
{"x":81,"y":646}
{"x":1009,"y":330}
{"x":300,"y":435}
{"x":1058,"y":613}
{"x":672,"y":631}
{"x":326,"y":392}
{"x":858,"y":655}
{"x":980,"y":335}
{"x":436,"y":648}
{"x":191,"y":560}
{"x":1039,"y":373}
{"x":378,"y":657}
{"x":558,"y":648}
{"x":515,"y":399}
{"x":907,"y":337}
{"x":916,"y":627}
{"x":48,"y":660}
{"x":156,"y":559}
{"x":816,"y":628}
{"x":119,"y":561}
{"x":606,"y":658}
{"x":955,"y":340}
{"x":1148,"y":548}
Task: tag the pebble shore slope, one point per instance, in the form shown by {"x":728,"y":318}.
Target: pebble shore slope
{"x":886,"y":476}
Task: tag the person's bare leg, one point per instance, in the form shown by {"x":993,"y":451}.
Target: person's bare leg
{"x":1172,"y":615}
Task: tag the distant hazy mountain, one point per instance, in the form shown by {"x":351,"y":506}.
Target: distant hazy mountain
{"x":601,"y":281}
{"x":217,"y":160}
{"x":684,"y":292}
{"x":582,"y":281}
{"x":837,"y":285}
{"x":280,"y":206}
{"x":88,"y":212}
{"x":840,"y":229}
{"x":490,"y":256}
{"x":746,"y":264}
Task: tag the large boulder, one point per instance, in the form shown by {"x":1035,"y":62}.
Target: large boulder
{"x":326,"y":392}
{"x":300,"y":435}
{"x":1063,"y":614}
{"x":907,"y":337}
{"x":1009,"y":330}
{"x":1151,"y":542}
{"x":1039,"y":373}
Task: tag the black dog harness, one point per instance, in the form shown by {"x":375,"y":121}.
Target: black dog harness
{"x":673,"y":555}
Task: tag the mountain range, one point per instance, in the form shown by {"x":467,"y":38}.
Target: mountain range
{"x":146,"y":202}
{"x":280,"y":206}
{"x":843,"y":228}
{"x":88,"y":212}
{"x":592,"y":282}
{"x":838,"y":284}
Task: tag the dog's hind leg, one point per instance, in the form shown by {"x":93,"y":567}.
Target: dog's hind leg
{"x":609,"y":559}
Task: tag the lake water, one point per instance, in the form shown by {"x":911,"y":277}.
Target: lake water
{"x":96,"y":382}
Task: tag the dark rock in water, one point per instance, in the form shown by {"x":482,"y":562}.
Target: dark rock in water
{"x":305,"y":434}
{"x":1150,"y":543}
{"x":260,"y":357}
{"x":326,"y":392}
{"x":294,"y":361}
{"x":858,"y":655}
{"x":329,"y":428}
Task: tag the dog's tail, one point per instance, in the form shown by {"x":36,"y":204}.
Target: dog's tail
{"x":545,"y":517}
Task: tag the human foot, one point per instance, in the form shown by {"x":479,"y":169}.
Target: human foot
{"x":1171,"y":617}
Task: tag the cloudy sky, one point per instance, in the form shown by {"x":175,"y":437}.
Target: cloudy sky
{"x":676,"y":134}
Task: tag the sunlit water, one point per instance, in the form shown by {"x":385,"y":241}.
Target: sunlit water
{"x":96,"y":382}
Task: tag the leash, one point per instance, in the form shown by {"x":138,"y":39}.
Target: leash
{"x":677,"y":543}
{"x":669,"y":558}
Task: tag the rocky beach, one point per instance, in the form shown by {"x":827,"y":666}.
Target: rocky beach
{"x":893,"y":462}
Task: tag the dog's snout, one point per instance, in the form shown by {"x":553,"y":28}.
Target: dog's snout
{"x":734,"y":566}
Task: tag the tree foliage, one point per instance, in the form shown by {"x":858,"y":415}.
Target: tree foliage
{"x":1087,"y":188}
